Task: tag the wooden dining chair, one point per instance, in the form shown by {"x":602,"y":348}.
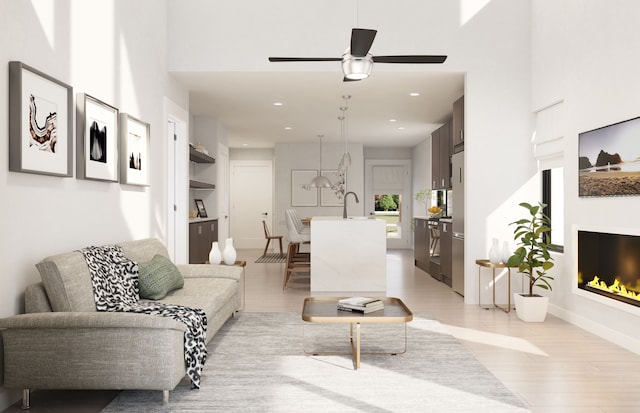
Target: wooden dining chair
{"x":269,"y":237}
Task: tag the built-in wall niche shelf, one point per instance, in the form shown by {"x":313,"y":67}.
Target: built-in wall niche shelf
{"x":193,"y":184}
{"x":200,"y":158}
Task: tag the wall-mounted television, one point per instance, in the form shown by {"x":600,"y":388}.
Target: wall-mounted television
{"x":609,"y":160}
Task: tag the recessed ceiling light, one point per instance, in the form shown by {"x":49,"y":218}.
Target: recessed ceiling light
{"x":414,"y":94}
{"x":392,"y":120}
{"x":288,"y":128}
{"x":245,"y":144}
{"x":278,"y":103}
{"x":401,"y":128}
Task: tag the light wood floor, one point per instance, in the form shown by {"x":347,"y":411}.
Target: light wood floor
{"x":552,"y":366}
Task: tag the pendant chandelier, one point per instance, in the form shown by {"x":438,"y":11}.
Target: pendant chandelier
{"x":345,"y":161}
{"x":320,"y":181}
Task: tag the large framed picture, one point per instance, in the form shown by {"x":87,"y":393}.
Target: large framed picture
{"x":40,"y":122}
{"x":97,"y":129}
{"x":333,"y":196}
{"x":134,"y":151}
{"x":302,"y":194}
{"x":609,"y":160}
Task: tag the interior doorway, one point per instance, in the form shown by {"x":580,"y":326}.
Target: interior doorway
{"x":251,"y":195}
{"x":388,"y":197}
{"x":177,"y":240}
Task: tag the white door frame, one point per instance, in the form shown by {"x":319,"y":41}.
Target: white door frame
{"x":176,"y":178}
{"x":405,"y":240}
{"x":222,"y":191}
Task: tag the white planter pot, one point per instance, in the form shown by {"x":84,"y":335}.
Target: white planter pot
{"x":531,"y":309}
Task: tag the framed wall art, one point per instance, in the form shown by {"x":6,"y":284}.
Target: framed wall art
{"x":134,"y":151}
{"x":333,"y":196}
{"x":301,"y":192}
{"x":97,"y":129}
{"x":40,"y":122}
{"x":609,"y":160}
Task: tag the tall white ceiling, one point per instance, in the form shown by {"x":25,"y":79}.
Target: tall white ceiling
{"x":220,"y":50}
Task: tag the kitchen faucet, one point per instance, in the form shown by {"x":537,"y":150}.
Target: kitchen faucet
{"x":344,"y":207}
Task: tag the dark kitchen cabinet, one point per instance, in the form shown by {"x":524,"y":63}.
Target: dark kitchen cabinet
{"x":457,"y":125}
{"x":201,"y":235}
{"x":421,"y":243}
{"x":441,"y":150}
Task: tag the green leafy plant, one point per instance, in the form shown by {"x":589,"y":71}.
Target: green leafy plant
{"x":532,"y":256}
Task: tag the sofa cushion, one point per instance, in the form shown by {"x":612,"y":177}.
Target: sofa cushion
{"x":158,"y":277}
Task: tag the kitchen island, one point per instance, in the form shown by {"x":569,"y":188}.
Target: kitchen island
{"x":348,"y":256}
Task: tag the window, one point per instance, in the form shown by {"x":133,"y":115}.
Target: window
{"x":553,"y":197}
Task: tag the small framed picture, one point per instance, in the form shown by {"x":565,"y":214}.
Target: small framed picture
{"x":134,"y":151}
{"x":202,"y":212}
{"x":40,"y":123}
{"x":97,"y":135}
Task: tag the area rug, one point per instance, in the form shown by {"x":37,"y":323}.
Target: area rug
{"x":272,"y":257}
{"x":256,"y":364}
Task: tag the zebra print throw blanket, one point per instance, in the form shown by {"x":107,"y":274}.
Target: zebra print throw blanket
{"x":115,"y":288}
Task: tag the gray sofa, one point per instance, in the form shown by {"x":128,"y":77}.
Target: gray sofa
{"x":62,"y":342}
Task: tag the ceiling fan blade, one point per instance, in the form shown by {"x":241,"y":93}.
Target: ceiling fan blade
{"x":305,"y":59}
{"x":410,"y":59}
{"x":361,"y":41}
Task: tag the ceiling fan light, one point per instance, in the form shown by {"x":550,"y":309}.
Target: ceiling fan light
{"x":357,"y":68}
{"x":320,"y":182}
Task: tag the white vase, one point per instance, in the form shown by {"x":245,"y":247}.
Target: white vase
{"x":229,"y":254}
{"x":215,"y":256}
{"x":505,"y":252}
{"x":494,"y":252}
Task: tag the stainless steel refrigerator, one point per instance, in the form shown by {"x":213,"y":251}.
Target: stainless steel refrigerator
{"x":457,"y":218}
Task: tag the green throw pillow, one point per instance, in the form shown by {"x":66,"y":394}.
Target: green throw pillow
{"x":158,"y":277}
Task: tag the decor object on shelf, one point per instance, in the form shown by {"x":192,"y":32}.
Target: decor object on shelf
{"x":494,"y":252}
{"x":202,"y":212}
{"x":40,"y":123}
{"x":532,"y":257}
{"x":215,"y":256}
{"x":134,"y":155}
{"x":97,"y":135}
{"x":229,"y":254}
{"x":320,"y":181}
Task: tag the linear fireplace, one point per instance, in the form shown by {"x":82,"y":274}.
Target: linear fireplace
{"x":609,"y":265}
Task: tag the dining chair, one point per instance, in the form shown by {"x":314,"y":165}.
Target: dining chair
{"x":269,"y":237}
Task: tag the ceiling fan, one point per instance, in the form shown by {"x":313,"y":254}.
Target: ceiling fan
{"x":357,"y":62}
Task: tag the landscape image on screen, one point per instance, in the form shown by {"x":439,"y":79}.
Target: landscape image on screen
{"x":609,"y":160}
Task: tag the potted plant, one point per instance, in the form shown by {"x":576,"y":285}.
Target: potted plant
{"x":424,"y":197}
{"x":533,"y":259}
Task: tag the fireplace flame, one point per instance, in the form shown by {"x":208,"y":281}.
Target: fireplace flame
{"x":615,"y":288}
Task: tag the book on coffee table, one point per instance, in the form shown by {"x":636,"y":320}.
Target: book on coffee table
{"x":360,"y":304}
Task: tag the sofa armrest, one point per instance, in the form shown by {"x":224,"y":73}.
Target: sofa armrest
{"x":98,"y":319}
{"x":95,"y":350}
{"x":234,"y":272}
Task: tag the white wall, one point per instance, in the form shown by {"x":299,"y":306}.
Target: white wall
{"x":288,"y":156}
{"x":111,"y":50}
{"x":585,"y":53}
